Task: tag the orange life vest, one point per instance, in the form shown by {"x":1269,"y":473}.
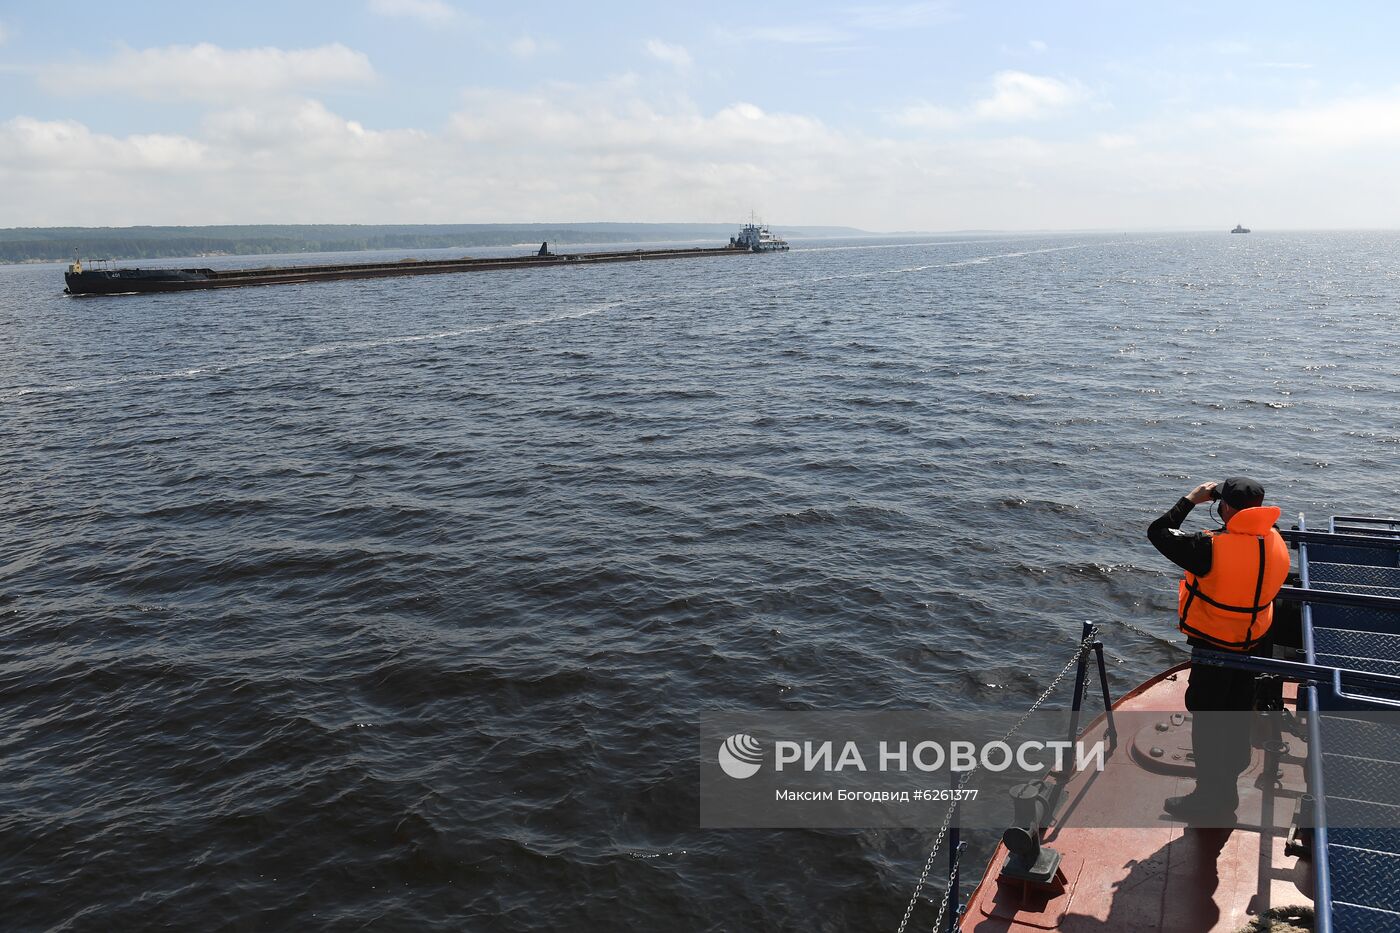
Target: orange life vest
{"x":1232,"y":606}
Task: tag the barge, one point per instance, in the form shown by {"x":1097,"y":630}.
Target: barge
{"x":108,"y":280}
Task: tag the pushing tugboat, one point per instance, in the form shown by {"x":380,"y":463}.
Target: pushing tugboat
{"x":757,"y":238}
{"x":1296,"y":820}
{"x":106,"y":280}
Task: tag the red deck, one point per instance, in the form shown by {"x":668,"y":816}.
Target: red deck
{"x":1168,"y":877}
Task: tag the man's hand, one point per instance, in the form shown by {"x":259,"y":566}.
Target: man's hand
{"x":1201,"y":493}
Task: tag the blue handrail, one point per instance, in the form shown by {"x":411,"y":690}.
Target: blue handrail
{"x":1322,"y":867}
{"x":1369,"y":519}
{"x":1304,"y":673}
{"x":1384,"y":540}
{"x":1305,"y":594}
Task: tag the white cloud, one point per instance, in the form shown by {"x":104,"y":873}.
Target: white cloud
{"x":427,"y":11}
{"x":569,"y":119}
{"x":1354,"y":123}
{"x":674,"y":55}
{"x":58,"y":146}
{"x":1231,"y":48}
{"x":901,"y":15}
{"x":1015,"y":96}
{"x":608,"y":151}
{"x":1115,"y":140}
{"x":209,"y":72}
{"x":795,"y":34}
{"x":845,"y":26}
{"x":621,"y":150}
{"x":1038,"y":45}
{"x":300,"y":128}
{"x":1020,"y":96}
{"x":604,"y":151}
{"x":930,"y":117}
{"x":528,"y":47}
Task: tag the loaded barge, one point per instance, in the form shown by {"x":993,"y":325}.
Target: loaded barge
{"x":119,"y":281}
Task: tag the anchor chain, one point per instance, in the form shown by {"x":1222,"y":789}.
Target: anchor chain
{"x":947,"y":896}
{"x":1145,"y":633}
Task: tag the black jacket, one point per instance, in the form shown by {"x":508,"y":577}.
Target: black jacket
{"x":1188,"y":551}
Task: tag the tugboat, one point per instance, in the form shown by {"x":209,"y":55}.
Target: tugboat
{"x":757,"y":238}
{"x":1240,"y":228}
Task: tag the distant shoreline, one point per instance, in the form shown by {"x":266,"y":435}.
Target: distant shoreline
{"x":20,"y":245}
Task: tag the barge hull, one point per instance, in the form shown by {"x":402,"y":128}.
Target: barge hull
{"x":141,"y":281}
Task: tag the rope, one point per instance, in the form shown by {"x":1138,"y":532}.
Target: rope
{"x":1079,"y":652}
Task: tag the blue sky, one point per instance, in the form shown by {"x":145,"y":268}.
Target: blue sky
{"x":900,"y":115}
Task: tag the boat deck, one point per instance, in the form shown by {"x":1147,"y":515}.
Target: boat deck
{"x":1166,"y":877}
{"x":1345,"y":754}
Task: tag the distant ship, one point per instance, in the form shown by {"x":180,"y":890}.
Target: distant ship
{"x":1239,"y":228}
{"x":756,"y":238}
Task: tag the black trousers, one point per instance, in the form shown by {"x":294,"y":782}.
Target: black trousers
{"x":1220,"y":743}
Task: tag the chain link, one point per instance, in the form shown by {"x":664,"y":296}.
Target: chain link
{"x":1145,"y":633}
{"x":1079,"y":652}
{"x":928,"y":866}
{"x":947,"y":896}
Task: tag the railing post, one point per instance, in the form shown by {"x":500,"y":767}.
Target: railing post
{"x":1079,"y":671}
{"x":1107,"y":703}
{"x":1307,"y":696}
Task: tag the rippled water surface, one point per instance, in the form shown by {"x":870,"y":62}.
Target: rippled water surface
{"x":392,"y":604}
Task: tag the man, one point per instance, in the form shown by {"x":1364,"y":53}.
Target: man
{"x":1225,"y":603}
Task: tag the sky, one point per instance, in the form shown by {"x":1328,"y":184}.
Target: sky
{"x":888,"y":116}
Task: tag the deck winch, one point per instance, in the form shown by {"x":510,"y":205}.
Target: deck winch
{"x":1027,"y":861}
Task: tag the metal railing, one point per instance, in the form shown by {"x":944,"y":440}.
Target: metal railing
{"x":951,"y":908}
{"x":1322,"y":868}
{"x":1380,"y":540}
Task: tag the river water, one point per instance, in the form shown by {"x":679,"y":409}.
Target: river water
{"x":394,"y":604}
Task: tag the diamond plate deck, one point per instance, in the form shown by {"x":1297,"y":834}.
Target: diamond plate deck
{"x":1349,"y":918}
{"x":1354,"y":618}
{"x":1365,"y":877}
{"x":1352,"y":575}
{"x":1353,"y":643}
{"x":1361,"y":779}
{"x":1361,"y":556}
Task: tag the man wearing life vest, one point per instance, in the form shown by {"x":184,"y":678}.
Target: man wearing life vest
{"x":1224,"y":603}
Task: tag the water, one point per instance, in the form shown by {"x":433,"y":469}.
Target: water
{"x":392,"y":604}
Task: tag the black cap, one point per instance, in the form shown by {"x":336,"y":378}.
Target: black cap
{"x":1241,"y":492}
